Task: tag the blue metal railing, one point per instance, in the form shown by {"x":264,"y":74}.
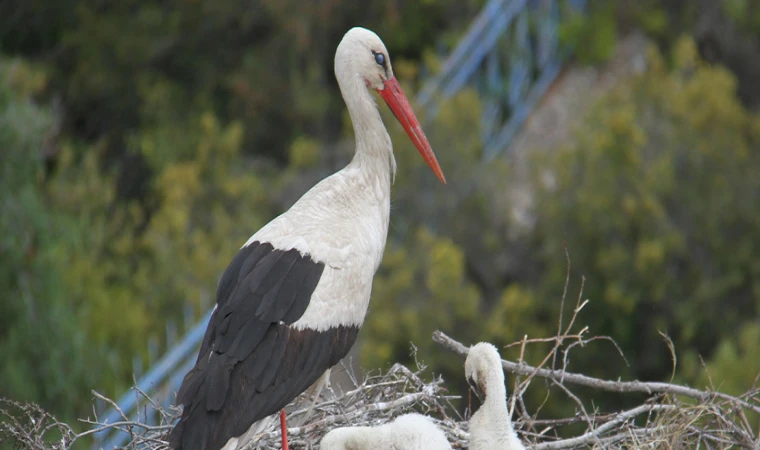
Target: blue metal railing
{"x":510,"y":54}
{"x":166,"y":375}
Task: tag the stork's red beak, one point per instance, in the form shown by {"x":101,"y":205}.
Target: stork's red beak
{"x":397,"y":101}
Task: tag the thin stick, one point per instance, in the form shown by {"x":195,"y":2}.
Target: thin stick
{"x":594,"y":434}
{"x":562,"y":304}
{"x":648,"y":387}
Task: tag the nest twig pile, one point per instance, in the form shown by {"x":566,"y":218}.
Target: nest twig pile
{"x":375,"y":400}
{"x":672,"y":416}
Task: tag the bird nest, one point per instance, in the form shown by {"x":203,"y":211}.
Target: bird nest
{"x":375,"y":400}
{"x":670,"y":416}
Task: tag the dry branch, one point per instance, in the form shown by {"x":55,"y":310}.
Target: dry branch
{"x":375,"y":401}
{"x":664,"y":420}
{"x":717,"y":421}
{"x":594,"y":434}
{"x":646,"y":387}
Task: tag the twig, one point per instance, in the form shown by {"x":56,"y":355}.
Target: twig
{"x":562,"y":304}
{"x":648,"y":387}
{"x":594,"y":434}
{"x":577,"y":401}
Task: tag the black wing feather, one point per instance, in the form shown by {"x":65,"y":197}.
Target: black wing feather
{"x":308,"y":285}
{"x":251,"y":369}
{"x":259,"y":363}
{"x":240,"y":264}
{"x":273,"y":366}
{"x":282,"y":267}
{"x":262,"y":269}
{"x":218,"y":382}
{"x":252,"y":258}
{"x":245,"y":342}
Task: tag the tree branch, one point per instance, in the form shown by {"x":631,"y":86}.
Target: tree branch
{"x":593,"y":435}
{"x":607,"y":385}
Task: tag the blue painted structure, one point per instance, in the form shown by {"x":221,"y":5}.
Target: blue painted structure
{"x":510,"y":54}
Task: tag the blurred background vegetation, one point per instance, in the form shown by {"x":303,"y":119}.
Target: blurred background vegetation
{"x":144,"y":141}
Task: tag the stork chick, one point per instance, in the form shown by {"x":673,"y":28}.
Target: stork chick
{"x":407,"y":432}
{"x":490,"y":426}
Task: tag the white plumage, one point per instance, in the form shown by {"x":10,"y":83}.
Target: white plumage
{"x":490,"y":426}
{"x":342,"y":222}
{"x":407,"y":432}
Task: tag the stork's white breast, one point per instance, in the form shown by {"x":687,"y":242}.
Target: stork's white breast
{"x":343,"y":223}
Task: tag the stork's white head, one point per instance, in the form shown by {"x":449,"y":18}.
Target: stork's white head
{"x":482,"y":365}
{"x":361,"y":54}
{"x":362,"y":59}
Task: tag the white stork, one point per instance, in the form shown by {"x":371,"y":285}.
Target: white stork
{"x":490,"y":426}
{"x":291,"y":302}
{"x":408,"y":432}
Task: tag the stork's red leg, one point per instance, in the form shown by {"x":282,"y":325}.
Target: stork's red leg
{"x":283,"y":430}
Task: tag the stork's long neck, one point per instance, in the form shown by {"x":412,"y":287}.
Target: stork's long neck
{"x":496,"y":397}
{"x":374,"y":150}
{"x":495,"y":408}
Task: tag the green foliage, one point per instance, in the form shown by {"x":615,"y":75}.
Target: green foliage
{"x":593,"y":35}
{"x":175,"y":115}
{"x":425,"y":281}
{"x":47,"y":358}
{"x":656,"y":201}
{"x":122,"y":270}
{"x":267,"y":63}
{"x":421,"y":287}
{"x":188,"y":125}
{"x":734,"y":365}
{"x":746,"y":13}
{"x":304,"y":152}
{"x":130,"y":276}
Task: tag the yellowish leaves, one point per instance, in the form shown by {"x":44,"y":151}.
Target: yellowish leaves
{"x":25,"y":79}
{"x":80,"y":186}
{"x":209,"y":124}
{"x":612,"y":258}
{"x":218,"y":143}
{"x":128,"y":266}
{"x":650,"y":254}
{"x":702,"y":95}
{"x":654,"y":199}
{"x":404,"y":69}
{"x":685,"y":54}
{"x":512,"y":316}
{"x":180,"y":182}
{"x":733,"y":366}
{"x":446,"y":262}
{"x":616,"y":295}
{"x":304,"y":152}
{"x":431,"y":60}
{"x":630,"y":204}
{"x":420,"y":287}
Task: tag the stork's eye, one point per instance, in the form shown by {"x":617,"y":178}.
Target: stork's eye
{"x":380,"y":59}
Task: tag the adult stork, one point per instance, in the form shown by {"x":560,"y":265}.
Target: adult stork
{"x":291,"y":302}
